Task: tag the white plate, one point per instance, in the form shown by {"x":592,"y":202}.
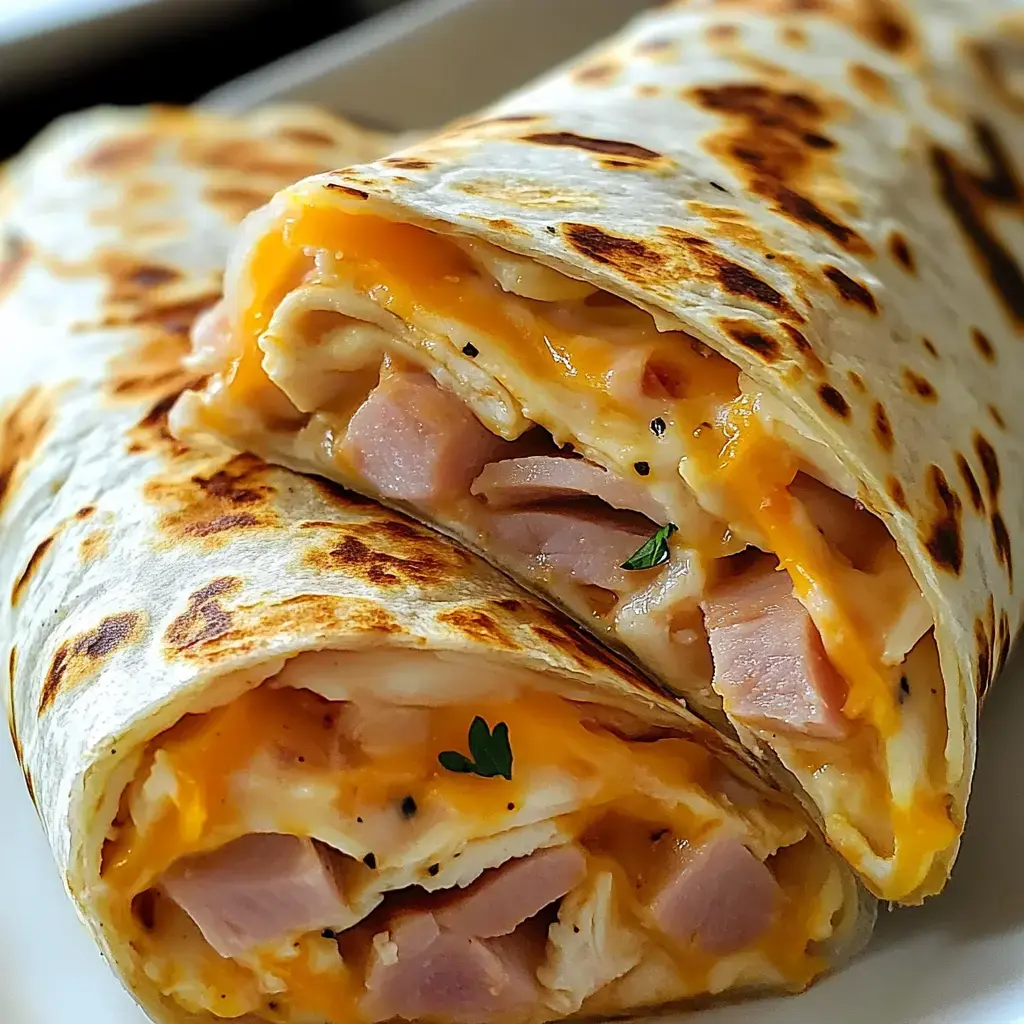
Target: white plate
{"x":957,"y":960}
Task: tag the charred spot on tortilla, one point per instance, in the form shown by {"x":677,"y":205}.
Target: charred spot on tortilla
{"x":915,"y":384}
{"x":81,"y":657}
{"x":969,"y":195}
{"x":929,"y":347}
{"x":235,"y":201}
{"x":603,"y":147}
{"x":409,"y":163}
{"x":204,"y":618}
{"x":478,"y":625}
{"x":943,"y":539}
{"x":598,"y":73}
{"x":1002,"y":544}
{"x":508,"y":604}
{"x":899,"y":249}
{"x":94,"y":545}
{"x":721,"y":32}
{"x":387,"y":563}
{"x":970,"y":481}
{"x":629,"y":256}
{"x":355,"y":193}
{"x":12,"y":724}
{"x":1004,"y":640}
{"x":834,"y":401}
{"x":883,"y":428}
{"x":793,"y":35}
{"x":849,"y":290}
{"x":896,"y":493}
{"x":27,"y":573}
{"x":740,"y":281}
{"x":989,"y":464}
{"x":983,"y":345}
{"x":23,"y":426}
{"x":997,"y":416}
{"x":857,"y":381}
{"x":983,"y":655}
{"x":804,"y":347}
{"x":752,"y":339}
{"x":647,"y":91}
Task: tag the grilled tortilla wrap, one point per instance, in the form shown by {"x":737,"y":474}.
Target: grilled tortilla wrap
{"x":712,"y":339}
{"x":299,"y":758}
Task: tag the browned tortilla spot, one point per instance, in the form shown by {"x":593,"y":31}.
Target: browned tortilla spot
{"x":883,"y":428}
{"x":970,"y":481}
{"x":983,"y":657}
{"x":248,"y":157}
{"x":12,"y":724}
{"x":943,"y":537}
{"x":479,"y":626}
{"x":989,"y":464}
{"x":94,"y":546}
{"x":79,"y":658}
{"x":899,"y":249}
{"x":972,"y":198}
{"x":857,"y":381}
{"x":355,"y":193}
{"x":121,"y":154}
{"x":850,"y":290}
{"x":872,"y":83}
{"x":1004,"y":642}
{"x":915,"y":384}
{"x":983,"y":345}
{"x":235,"y":201}
{"x":598,"y":73}
{"x":15,"y":257}
{"x":33,"y":563}
{"x":409,"y":163}
{"x":803,"y":346}
{"x":773,"y":140}
{"x":1002,"y":544}
{"x":930,"y":348}
{"x":793,"y":35}
{"x":897,"y":494}
{"x":997,"y":417}
{"x":204,"y":617}
{"x":23,"y":425}
{"x":752,"y":339}
{"x":606,"y":147}
{"x":509,"y":604}
{"x":834,"y":401}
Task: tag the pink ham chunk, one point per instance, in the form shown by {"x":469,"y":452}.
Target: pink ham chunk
{"x":589,"y":548}
{"x":257,"y":889}
{"x":501,"y":899}
{"x":525,"y":481}
{"x":415,"y":442}
{"x":770,"y":666}
{"x":718,"y":895}
{"x":420,"y":971}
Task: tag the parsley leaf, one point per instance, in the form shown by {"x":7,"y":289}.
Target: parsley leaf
{"x":653,"y":551}
{"x":490,"y":749}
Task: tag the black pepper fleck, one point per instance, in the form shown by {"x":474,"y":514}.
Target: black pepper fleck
{"x":328,"y":933}
{"x":469,"y":349}
{"x":408,"y":807}
{"x":551,"y":229}
{"x":370,"y":861}
{"x":301,"y":759}
{"x":360,"y":820}
{"x":769,"y":255}
{"x":642,"y":468}
{"x":271,"y":1005}
{"x":433,"y":869}
{"x":576,"y":928}
{"x":511,"y":806}
{"x":721,"y":188}
{"x":658,"y":427}
{"x":904,"y":688}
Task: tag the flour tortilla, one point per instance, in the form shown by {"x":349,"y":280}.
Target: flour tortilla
{"x":142,"y":579}
{"x":827,"y":194}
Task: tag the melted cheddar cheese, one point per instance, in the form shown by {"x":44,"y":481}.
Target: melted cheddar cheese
{"x":670,"y":783}
{"x":548,"y":364}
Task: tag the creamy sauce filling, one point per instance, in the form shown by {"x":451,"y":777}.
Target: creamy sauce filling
{"x":715,"y":457}
{"x":279,"y":759}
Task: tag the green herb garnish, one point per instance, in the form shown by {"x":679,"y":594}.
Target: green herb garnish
{"x":490,"y":750}
{"x":653,"y":551}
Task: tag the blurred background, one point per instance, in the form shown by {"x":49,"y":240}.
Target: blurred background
{"x":62,"y":55}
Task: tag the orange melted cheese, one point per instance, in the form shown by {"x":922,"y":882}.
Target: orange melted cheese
{"x":208,"y":750}
{"x":411,"y":272}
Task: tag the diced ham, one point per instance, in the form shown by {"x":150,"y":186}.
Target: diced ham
{"x":588,"y":547}
{"x":525,"y":481}
{"x":420,"y":971}
{"x":257,"y":889}
{"x":770,"y":666}
{"x":501,"y":899}
{"x":416,"y":442}
{"x":718,"y":895}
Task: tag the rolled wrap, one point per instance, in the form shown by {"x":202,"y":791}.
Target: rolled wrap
{"x":299,"y":758}
{"x":745,"y":279}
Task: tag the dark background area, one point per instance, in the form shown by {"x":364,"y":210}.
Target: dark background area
{"x":184,"y":63}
